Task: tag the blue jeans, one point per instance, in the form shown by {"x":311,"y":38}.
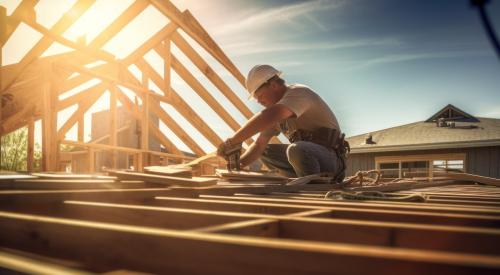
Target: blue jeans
{"x":301,"y":158}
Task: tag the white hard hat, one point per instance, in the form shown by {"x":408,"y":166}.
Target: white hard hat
{"x":258,"y":75}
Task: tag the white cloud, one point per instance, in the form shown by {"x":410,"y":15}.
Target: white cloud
{"x":245,"y":48}
{"x":394,"y":58}
{"x":267,"y":18}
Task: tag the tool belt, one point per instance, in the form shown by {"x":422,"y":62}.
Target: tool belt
{"x":330,"y":138}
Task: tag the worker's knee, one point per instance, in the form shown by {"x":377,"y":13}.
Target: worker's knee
{"x":296,"y":151}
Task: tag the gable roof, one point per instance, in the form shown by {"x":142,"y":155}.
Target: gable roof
{"x":424,"y":136}
{"x":452,"y":113}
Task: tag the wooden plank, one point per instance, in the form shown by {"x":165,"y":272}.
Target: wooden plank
{"x":193,"y":182}
{"x":160,"y":136}
{"x":113,"y":121}
{"x":31,"y":145}
{"x":83,"y":106}
{"x":119,"y":23}
{"x":176,"y":128}
{"x":81,"y":96}
{"x":101,"y":54}
{"x":12,"y":263}
{"x":145,"y":117}
{"x":203,"y":66}
{"x":191,"y":26}
{"x":41,"y":46}
{"x":156,"y":39}
{"x":167,"y":66}
{"x":48,"y":123}
{"x":158,"y":217}
{"x":471,"y":177}
{"x":204,"y":94}
{"x":69,"y":184}
{"x":215,"y":253}
{"x":182,"y":107}
{"x":74,"y":82}
{"x":153,"y":129}
{"x":25,"y":9}
{"x":364,"y":205}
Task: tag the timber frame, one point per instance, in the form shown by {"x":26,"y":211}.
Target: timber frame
{"x":34,"y":84}
{"x":57,"y":223}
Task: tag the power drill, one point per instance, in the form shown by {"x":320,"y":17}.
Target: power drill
{"x":232,"y":155}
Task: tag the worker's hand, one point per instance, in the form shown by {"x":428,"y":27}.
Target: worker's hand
{"x":223,"y":148}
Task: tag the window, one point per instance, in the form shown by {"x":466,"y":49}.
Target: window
{"x":389,"y":170}
{"x":448,"y":165}
{"x":410,"y":169}
{"x":411,"y":166}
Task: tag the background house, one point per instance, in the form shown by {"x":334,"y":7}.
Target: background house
{"x":450,"y":139}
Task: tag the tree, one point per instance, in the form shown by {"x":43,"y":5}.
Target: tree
{"x":13,"y":151}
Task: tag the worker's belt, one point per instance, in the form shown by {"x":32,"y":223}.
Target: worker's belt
{"x":330,"y":138}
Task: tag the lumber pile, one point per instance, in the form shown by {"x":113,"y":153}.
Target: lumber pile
{"x":247,"y":176}
{"x":164,"y":180}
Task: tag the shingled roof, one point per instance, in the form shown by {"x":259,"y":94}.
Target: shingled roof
{"x":426,"y":135}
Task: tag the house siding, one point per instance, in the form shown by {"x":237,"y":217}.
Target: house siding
{"x":484,"y":161}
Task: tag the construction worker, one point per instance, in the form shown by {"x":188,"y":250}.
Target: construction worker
{"x":316,"y":144}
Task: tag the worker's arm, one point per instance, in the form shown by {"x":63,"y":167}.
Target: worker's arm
{"x":261,"y":122}
{"x":256,"y":149}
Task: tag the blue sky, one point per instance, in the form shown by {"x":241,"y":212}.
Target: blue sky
{"x":377,"y":63}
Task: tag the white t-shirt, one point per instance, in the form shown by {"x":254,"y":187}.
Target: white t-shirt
{"x":311,"y":112}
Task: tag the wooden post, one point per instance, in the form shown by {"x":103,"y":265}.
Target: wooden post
{"x":113,"y":122}
{"x":167,"y":65}
{"x":3,"y":24}
{"x":144,"y":123}
{"x":81,"y":129}
{"x":139,"y":162}
{"x":91,"y":160}
{"x":31,"y":144}
{"x":49,"y":120}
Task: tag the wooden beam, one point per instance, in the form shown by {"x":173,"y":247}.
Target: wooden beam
{"x":13,"y":263}
{"x":151,"y":127}
{"x":80,"y":7}
{"x":20,"y":118}
{"x":470,"y":177}
{"x":156,"y":39}
{"x":31,"y":144}
{"x":113,"y":121}
{"x":81,"y":129}
{"x":101,"y":54}
{"x":169,"y":145}
{"x":192,"y":182}
{"x":49,"y":121}
{"x":167,"y":66}
{"x":203,"y":66}
{"x":215,"y":253}
{"x":136,"y":87}
{"x":26,"y":9}
{"x":181,"y":106}
{"x":80,"y":96}
{"x":83,"y":106}
{"x":203,"y":93}
{"x":3,"y":23}
{"x":70,"y":184}
{"x":145,"y":116}
{"x":74,"y":82}
{"x":119,"y":23}
{"x":177,"y":129}
{"x":191,"y":26}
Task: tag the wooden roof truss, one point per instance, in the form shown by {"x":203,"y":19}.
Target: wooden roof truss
{"x":31,"y":88}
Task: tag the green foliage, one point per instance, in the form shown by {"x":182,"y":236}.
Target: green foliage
{"x":13,"y":150}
